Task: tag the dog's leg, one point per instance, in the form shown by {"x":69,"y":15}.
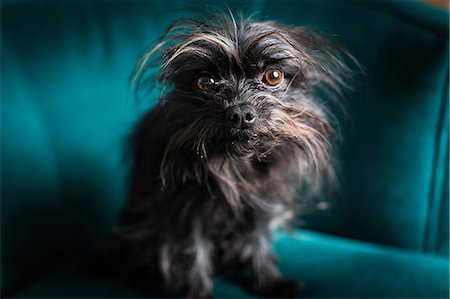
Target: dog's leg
{"x":267,"y":279}
{"x":197,"y":280}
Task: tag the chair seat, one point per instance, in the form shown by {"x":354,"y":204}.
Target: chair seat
{"x":327,"y":266}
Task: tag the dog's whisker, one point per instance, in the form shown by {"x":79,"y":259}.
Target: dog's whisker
{"x":291,"y":82}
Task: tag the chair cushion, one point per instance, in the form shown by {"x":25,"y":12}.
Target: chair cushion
{"x":328,"y":266}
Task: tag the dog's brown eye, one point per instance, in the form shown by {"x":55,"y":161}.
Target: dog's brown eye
{"x":205,"y":82}
{"x":273,"y":77}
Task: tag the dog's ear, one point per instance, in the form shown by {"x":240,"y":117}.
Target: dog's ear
{"x":153,"y":68}
{"x":328,"y":66}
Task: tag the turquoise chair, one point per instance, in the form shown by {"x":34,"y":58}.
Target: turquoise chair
{"x":65,"y":118}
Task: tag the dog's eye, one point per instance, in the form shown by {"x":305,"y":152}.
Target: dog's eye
{"x":205,"y":82}
{"x":273,"y":76}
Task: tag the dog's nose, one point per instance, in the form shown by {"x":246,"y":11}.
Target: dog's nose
{"x":241,"y":117}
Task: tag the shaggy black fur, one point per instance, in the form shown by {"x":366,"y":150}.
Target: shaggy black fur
{"x":217,"y":162}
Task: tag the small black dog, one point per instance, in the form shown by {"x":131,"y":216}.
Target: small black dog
{"x":217,"y":162}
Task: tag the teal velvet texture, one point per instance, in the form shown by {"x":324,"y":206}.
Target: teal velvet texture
{"x":65,"y":117}
{"x":329,"y":267}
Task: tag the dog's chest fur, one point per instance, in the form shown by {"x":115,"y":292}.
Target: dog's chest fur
{"x":224,"y":199}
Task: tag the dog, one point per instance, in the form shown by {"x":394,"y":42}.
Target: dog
{"x":241,"y":136}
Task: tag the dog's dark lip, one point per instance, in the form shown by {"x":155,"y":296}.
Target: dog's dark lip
{"x":238,"y":135}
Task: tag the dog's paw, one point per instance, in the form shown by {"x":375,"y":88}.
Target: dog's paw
{"x":281,"y":289}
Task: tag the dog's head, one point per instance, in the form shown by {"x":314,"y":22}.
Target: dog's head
{"x":248,"y":89}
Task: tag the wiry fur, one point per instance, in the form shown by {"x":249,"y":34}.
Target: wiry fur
{"x":203,"y":194}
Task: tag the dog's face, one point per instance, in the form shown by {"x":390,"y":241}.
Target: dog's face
{"x":248,"y":89}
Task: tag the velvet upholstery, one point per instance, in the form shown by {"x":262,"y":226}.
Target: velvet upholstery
{"x":329,"y":267}
{"x":65,"y":117}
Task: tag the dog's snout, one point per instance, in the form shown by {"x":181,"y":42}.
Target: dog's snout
{"x":241,"y":117}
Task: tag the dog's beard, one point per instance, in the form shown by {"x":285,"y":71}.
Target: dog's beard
{"x":298,"y":133}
